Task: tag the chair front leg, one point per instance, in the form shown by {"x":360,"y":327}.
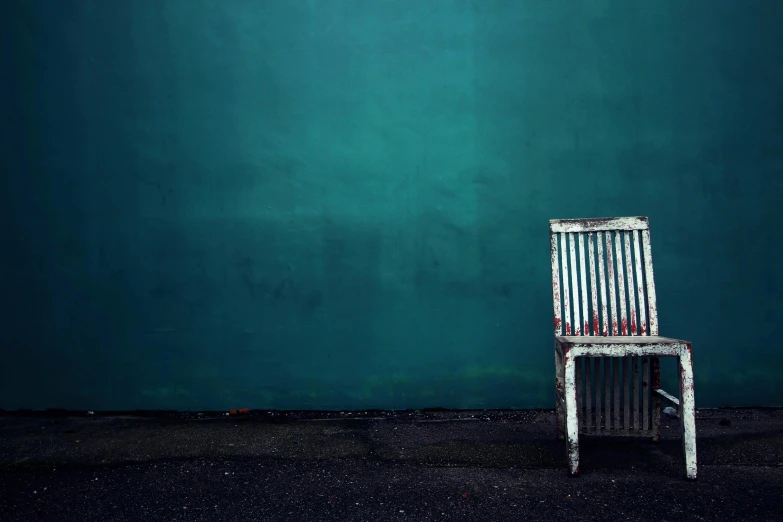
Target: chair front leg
{"x":688,"y":410}
{"x":572,"y":413}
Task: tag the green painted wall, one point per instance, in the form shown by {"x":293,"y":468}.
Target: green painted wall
{"x":344,"y":203}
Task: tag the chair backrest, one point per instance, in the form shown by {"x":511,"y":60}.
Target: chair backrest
{"x":616,"y":264}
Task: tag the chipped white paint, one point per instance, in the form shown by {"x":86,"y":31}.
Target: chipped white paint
{"x":629,"y":273}
{"x":559,"y":392}
{"x":640,"y":285}
{"x":593,"y":294}
{"x":667,"y":396}
{"x":602,"y":285}
{"x":583,"y":282}
{"x":612,"y":287}
{"x":648,"y":271}
{"x":598,"y":224}
{"x":555,"y":284}
{"x":688,"y":412}
{"x":618,"y":249}
{"x":621,"y":345}
{"x":572,"y":419}
{"x":633,"y":269}
{"x":572,"y":251}
{"x":566,"y":298}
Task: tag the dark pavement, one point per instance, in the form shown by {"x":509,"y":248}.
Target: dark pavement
{"x":430,"y":465}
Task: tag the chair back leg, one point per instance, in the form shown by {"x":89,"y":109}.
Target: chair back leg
{"x":559,"y":393}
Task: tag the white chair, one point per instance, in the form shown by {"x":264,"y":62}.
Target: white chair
{"x":601,"y":343}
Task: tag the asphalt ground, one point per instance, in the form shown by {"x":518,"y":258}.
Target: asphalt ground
{"x":378,"y":465}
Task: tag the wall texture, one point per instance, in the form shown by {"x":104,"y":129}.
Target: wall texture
{"x":344,"y":204}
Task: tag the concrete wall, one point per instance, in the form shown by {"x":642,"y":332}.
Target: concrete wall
{"x":344,"y":203}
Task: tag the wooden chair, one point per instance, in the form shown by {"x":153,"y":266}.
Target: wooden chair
{"x":600,"y":348}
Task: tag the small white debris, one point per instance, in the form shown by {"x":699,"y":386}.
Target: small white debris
{"x":90,"y":413}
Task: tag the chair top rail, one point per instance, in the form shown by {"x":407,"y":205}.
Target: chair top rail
{"x":598,"y":224}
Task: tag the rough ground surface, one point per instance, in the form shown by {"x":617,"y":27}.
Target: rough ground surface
{"x":431,"y":465}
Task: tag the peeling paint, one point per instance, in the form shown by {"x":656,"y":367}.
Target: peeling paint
{"x":598,"y":224}
{"x":618,"y":341}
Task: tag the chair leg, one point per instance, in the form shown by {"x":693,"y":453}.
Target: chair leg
{"x":559,"y":395}
{"x":655,"y":381}
{"x":572,"y":414}
{"x":688,"y":411}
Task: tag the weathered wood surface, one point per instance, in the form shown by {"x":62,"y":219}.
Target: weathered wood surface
{"x":607,"y":346}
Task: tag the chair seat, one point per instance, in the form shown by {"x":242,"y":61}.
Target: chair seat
{"x":621,"y":345}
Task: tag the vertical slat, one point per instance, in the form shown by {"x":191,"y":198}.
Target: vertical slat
{"x":655,"y":383}
{"x":648,"y":274}
{"x":579,"y":392}
{"x":555,"y":283}
{"x":635,"y":393}
{"x":610,"y":275}
{"x":626,"y":395}
{"x":631,"y":288}
{"x":588,"y":394}
{"x":607,"y":396}
{"x":620,"y":283}
{"x":616,"y":378}
{"x":583,"y":282}
{"x":646,"y":394}
{"x":598,"y":386}
{"x":639,"y":284}
{"x":574,"y":285}
{"x":565,"y":285}
{"x":593,"y":291}
{"x":604,"y":318}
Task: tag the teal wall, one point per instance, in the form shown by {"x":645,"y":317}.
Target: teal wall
{"x":344,"y":203}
